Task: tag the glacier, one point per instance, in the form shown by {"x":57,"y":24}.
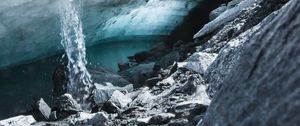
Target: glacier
{"x":30,"y":29}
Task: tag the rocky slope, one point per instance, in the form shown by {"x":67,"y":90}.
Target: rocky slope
{"x":242,"y":69}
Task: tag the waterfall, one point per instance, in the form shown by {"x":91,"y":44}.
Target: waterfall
{"x":80,"y":83}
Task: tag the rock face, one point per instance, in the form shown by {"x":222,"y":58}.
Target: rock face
{"x":261,"y":88}
{"x":18,"y":121}
{"x":43,"y":111}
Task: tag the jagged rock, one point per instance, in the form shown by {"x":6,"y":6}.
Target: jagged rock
{"x":117,"y":101}
{"x":82,"y":118}
{"x":162,"y":118}
{"x":174,"y":68}
{"x":179,"y":122}
{"x":41,"y":110}
{"x":152,"y":81}
{"x":101,"y":75}
{"x":198,"y":62}
{"x":225,"y":17}
{"x":228,"y":57}
{"x":158,"y":119}
{"x":264,"y":82}
{"x":53,"y":116}
{"x":189,"y":109}
{"x":18,"y":121}
{"x":102,"y":94}
{"x":144,"y":97}
{"x":138,"y":74}
{"x":189,"y":86}
{"x":65,"y":106}
{"x":215,"y":13}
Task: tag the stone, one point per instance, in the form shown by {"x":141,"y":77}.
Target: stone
{"x":189,"y":87}
{"x":119,"y":99}
{"x":18,"y":121}
{"x":102,"y":93}
{"x":189,"y":109}
{"x":162,"y":118}
{"x":82,"y":118}
{"x":152,"y":81}
{"x":179,"y":122}
{"x":65,"y":106}
{"x":41,"y":110}
{"x":168,"y":59}
{"x":264,"y":82}
{"x":53,"y":116}
{"x":198,"y":62}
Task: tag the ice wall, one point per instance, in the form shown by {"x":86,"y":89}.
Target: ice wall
{"x":29,"y":29}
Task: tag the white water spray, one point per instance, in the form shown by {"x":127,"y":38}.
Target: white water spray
{"x":73,"y":42}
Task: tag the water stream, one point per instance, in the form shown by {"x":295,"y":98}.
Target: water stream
{"x":73,"y":42}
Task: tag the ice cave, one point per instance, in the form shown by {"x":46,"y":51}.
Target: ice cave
{"x":149,"y":62}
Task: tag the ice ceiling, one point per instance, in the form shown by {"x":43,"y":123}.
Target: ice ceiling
{"x":29,"y":29}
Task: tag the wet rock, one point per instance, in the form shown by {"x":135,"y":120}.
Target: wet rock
{"x":158,"y":119}
{"x":41,"y":110}
{"x":60,"y":80}
{"x":117,"y":101}
{"x":65,"y":106}
{"x":152,"y":81}
{"x":102,"y":93}
{"x":174,"y":68}
{"x":189,"y":86}
{"x":199,"y":62}
{"x":189,"y":109}
{"x":264,"y":82}
{"x":18,"y":121}
{"x":82,"y":118}
{"x":179,"y":122}
{"x":162,"y":118}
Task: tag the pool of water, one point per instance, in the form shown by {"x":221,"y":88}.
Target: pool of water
{"x":21,"y":84}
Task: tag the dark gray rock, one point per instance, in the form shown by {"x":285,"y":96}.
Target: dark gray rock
{"x":168,"y":59}
{"x":41,"y":110}
{"x":189,"y":86}
{"x":189,"y":109}
{"x":83,"y":119}
{"x":65,"y":106}
{"x":18,"y":121}
{"x":215,"y":13}
{"x":158,"y":119}
{"x":116,"y":102}
{"x":152,"y":81}
{"x":262,"y":89}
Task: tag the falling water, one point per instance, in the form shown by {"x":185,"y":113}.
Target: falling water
{"x":73,"y":42}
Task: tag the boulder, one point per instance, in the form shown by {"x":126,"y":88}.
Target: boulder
{"x":262,"y":88}
{"x":65,"y":106}
{"x":102,"y":93}
{"x":41,"y":110}
{"x":168,"y":59}
{"x":18,"y":121}
{"x":189,"y":109}
{"x":152,"y":81}
{"x":198,"y":62}
{"x":116,"y":102}
{"x":189,"y":87}
{"x":158,"y":119}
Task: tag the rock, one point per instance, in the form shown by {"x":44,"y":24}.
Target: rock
{"x":228,"y":57}
{"x":53,"y":116}
{"x":215,"y":13}
{"x":225,"y":17}
{"x":102,"y":94}
{"x":82,"y":118}
{"x":189,"y":86}
{"x":60,"y":80}
{"x":18,"y":121}
{"x":152,"y":81}
{"x":179,"y":122}
{"x":189,"y":109}
{"x":264,"y":82}
{"x":41,"y":110}
{"x":174,"y":68}
{"x":144,"y":97}
{"x":117,"y":101}
{"x":141,"y":56}
{"x":158,"y":119}
{"x":198,"y":62}
{"x":138,"y":74}
{"x":162,"y":118}
{"x":65,"y":106}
